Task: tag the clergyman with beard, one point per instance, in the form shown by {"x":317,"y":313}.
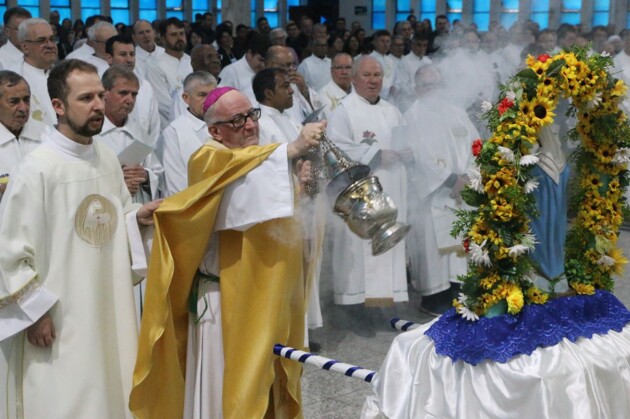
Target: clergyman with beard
{"x":67,"y":229}
{"x":167,"y":72}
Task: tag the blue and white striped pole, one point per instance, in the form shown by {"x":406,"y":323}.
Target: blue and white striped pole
{"x":403,"y":325}
{"x":323,"y":362}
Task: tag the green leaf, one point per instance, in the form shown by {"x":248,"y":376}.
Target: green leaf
{"x":555,"y":67}
{"x":528,"y":73}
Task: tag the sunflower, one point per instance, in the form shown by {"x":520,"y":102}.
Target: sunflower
{"x":583,"y":289}
{"x":542,"y":111}
{"x":537,"y":296}
{"x":620,"y":261}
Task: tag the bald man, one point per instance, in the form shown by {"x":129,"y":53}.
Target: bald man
{"x":241,"y":201}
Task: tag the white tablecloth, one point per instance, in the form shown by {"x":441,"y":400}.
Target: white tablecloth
{"x":586,"y":379}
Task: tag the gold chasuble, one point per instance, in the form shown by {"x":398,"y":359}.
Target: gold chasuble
{"x":262,"y":298}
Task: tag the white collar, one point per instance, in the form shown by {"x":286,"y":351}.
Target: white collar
{"x":270,"y":110}
{"x":197,"y":124}
{"x":130,"y":127}
{"x":32,"y":130}
{"x":69,"y":147}
{"x":30,"y":67}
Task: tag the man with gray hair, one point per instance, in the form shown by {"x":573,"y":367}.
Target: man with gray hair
{"x":186,"y":133}
{"x":97,"y":38}
{"x":121,"y":130}
{"x":40,"y":54}
{"x":144,"y":37}
{"x":362,"y":127}
{"x":278,"y":36}
{"x":19,"y":135}
{"x":12,"y":50}
{"x":340,"y":85}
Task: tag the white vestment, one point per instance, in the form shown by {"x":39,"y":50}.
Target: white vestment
{"x":277,"y":127}
{"x":100,"y":64}
{"x":316,"y":71}
{"x":65,"y":251}
{"x":441,"y":136}
{"x":301,"y":107}
{"x":13,"y":150}
{"x":467,"y":78}
{"x":245,"y":202}
{"x":142,"y":56}
{"x":362,"y":130}
{"x":37,"y":79}
{"x":177,"y":143}
{"x":389,"y":72}
{"x":405,"y":82}
{"x":10,"y":54}
{"x":238,"y":75}
{"x":81,"y":52}
{"x":117,"y":139}
{"x":166,"y":74}
{"x":331,"y":95}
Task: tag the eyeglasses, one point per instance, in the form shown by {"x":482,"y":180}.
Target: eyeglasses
{"x":342,"y":67}
{"x":240,"y":120}
{"x":288,"y":66}
{"x":42,"y":41}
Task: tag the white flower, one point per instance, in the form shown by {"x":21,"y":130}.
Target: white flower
{"x":485,"y":106}
{"x":529,"y":240}
{"x":518,"y":249}
{"x":461,"y":298}
{"x":506,"y":154}
{"x":606,"y":261}
{"x":622,"y":156}
{"x":479,"y":255}
{"x":475,"y":179}
{"x":530,"y":186}
{"x":528,"y":160}
{"x":467,"y":313}
{"x":605,"y":54}
{"x":510,"y":95}
{"x":595,"y":102}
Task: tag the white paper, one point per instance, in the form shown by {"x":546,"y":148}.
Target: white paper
{"x":135,"y":153}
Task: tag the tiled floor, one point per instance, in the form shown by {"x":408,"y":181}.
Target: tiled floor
{"x":363,"y":337}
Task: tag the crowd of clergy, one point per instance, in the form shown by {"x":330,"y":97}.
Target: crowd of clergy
{"x":404,"y":102}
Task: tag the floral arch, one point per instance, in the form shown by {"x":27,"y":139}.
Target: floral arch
{"x":497,"y":232}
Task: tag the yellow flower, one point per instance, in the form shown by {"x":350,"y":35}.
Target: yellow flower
{"x":620,"y":261}
{"x":542,"y":111}
{"x":537,"y":296}
{"x":514,"y":299}
{"x":619,"y":90}
{"x":583,"y":289}
{"x":489,"y":281}
{"x":502,"y":209}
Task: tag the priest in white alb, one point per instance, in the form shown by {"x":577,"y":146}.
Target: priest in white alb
{"x":340,"y":84}
{"x":186,"y":133}
{"x":362,"y":127}
{"x":441,"y":134}
{"x":66,"y":224}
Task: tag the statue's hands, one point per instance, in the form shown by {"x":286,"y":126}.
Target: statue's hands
{"x":309,"y":137}
{"x":42,"y":332}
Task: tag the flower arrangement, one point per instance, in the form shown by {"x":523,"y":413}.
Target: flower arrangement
{"x":496,"y":231}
